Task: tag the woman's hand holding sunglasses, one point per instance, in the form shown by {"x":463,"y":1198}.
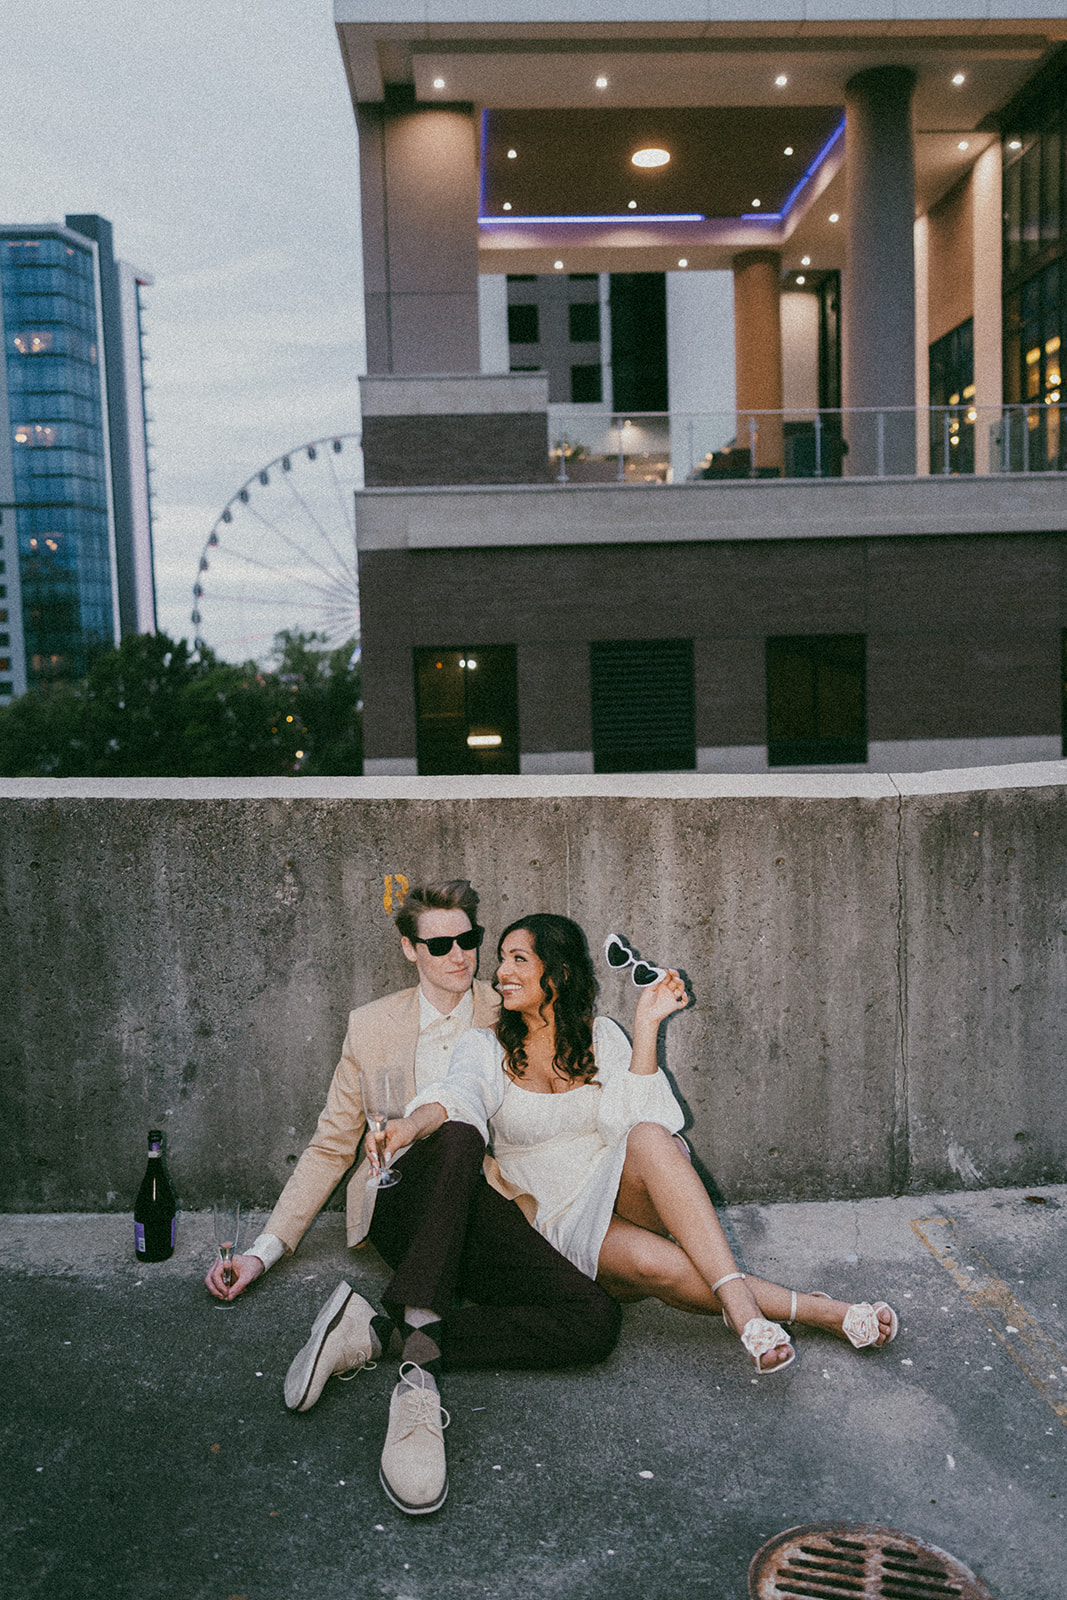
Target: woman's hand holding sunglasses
{"x":662,"y":990}
{"x":661,"y":1000}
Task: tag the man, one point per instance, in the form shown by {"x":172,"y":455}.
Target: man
{"x":447,"y":1229}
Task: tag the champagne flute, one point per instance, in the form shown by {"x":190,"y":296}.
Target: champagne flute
{"x":374,"y":1088}
{"x":227,"y":1215}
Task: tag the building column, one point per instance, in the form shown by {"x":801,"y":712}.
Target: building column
{"x":419,"y":184}
{"x":758,"y":354}
{"x":988,"y":302}
{"x":879,"y":299}
{"x":922,"y":345}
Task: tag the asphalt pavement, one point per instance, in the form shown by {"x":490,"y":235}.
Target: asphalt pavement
{"x":146,"y":1452}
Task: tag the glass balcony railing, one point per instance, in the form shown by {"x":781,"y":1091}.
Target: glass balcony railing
{"x":589,"y":446}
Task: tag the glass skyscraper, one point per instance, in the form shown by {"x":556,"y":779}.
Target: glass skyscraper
{"x":75,"y":524}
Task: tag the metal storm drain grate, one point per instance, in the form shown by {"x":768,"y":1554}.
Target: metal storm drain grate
{"x":857,"y":1561}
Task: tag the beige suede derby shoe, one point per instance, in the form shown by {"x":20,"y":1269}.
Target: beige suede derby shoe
{"x":413,"y":1469}
{"x":342,"y":1340}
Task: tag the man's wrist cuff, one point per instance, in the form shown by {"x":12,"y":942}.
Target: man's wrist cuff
{"x":268,"y":1248}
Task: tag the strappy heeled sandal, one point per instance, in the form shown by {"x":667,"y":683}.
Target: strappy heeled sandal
{"x":861,"y":1326}
{"x":759,"y":1336}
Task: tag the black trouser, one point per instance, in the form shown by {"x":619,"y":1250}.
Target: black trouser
{"x":449,"y":1235}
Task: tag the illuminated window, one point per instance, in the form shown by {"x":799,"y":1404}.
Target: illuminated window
{"x":38,"y":435}
{"x":1035,"y":321}
{"x":467,"y":710}
{"x":34,"y":341}
{"x":952,"y":379}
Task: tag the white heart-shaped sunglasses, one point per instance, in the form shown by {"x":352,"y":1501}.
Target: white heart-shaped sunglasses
{"x":619,"y":956}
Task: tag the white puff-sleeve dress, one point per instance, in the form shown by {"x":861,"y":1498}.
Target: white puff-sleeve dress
{"x":566,"y":1150}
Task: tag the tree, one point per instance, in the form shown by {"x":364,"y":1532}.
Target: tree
{"x":151,"y":708}
{"x":326,"y":687}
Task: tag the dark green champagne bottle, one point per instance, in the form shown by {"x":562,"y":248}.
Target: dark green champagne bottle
{"x":155,"y":1211}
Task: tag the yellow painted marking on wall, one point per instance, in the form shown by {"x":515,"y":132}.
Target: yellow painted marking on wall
{"x":1028,"y":1345}
{"x":396,"y":888}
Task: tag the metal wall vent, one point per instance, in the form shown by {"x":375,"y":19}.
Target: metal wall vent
{"x":857,"y":1561}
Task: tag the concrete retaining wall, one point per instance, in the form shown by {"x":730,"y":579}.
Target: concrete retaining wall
{"x":878,"y":964}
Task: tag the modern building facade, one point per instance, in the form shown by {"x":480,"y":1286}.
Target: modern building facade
{"x":74,"y":495}
{"x":883,"y":188}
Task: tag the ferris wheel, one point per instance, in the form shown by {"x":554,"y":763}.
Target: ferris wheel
{"x":282,"y":554}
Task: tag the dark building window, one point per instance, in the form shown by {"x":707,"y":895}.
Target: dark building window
{"x":816,"y":700}
{"x":639,"y":341}
{"x":522,"y":277}
{"x":467,"y":709}
{"x":644,"y":717}
{"x":829,"y":292}
{"x":523,"y":325}
{"x":587,"y":383}
{"x":585,"y":321}
{"x":1033,"y":184}
{"x":952,"y":413}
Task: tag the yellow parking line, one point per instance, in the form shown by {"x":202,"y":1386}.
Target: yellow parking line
{"x":1025,"y":1341}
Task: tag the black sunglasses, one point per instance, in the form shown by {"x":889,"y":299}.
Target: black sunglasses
{"x":442,"y":943}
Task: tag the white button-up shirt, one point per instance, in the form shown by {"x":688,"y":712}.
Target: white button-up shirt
{"x":438,"y":1035}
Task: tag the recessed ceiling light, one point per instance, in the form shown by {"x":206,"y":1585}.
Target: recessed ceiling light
{"x":1015,"y":144}
{"x":788,"y":151}
{"x":507,"y":205}
{"x":781,"y":81}
{"x":438,"y":83}
{"x":631,"y":205}
{"x":652,"y":157}
{"x":558,"y":265}
{"x":834,"y":217}
{"x":963,"y":145}
{"x":958,"y":78}
{"x":801,"y":278}
{"x":602,"y":82}
{"x":512,"y":154}
{"x":684,"y":262}
{"x":805,"y":261}
{"x":756,"y":204}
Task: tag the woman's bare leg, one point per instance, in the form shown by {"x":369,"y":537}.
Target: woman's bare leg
{"x":631,"y":1267}
{"x":658,"y":1174}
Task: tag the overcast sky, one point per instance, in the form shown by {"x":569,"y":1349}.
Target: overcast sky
{"x":219,"y":138}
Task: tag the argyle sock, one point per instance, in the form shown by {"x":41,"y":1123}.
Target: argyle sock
{"x":383,"y":1329}
{"x":421,"y":1333}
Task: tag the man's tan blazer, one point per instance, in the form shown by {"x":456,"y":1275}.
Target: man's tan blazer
{"x":381,"y":1036}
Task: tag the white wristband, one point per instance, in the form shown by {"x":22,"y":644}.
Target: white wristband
{"x":268,"y":1247}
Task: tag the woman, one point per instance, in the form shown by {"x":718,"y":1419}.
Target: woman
{"x":582,"y":1127}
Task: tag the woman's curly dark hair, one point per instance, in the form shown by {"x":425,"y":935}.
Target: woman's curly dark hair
{"x":569,"y":985}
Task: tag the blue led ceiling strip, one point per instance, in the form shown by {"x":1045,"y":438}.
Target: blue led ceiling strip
{"x":791,"y":198}
{"x":626,"y":216}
